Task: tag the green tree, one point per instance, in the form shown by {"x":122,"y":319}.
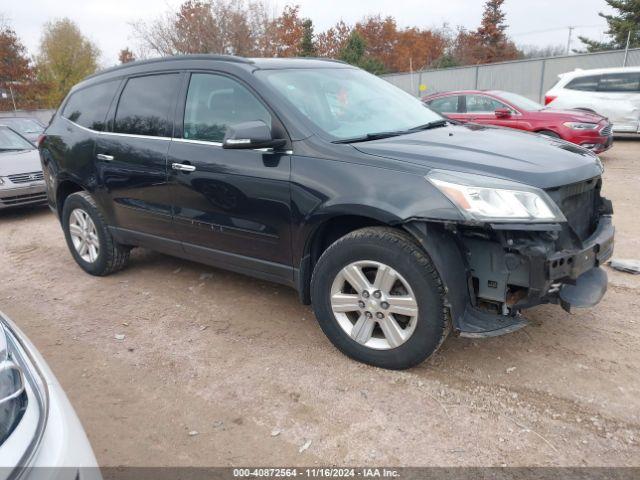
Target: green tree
{"x":627,"y":19}
{"x":307,"y":45}
{"x":65,"y":57}
{"x":355,"y":53}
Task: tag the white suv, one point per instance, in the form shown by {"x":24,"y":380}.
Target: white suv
{"x":612,"y":92}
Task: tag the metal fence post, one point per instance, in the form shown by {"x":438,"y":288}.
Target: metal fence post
{"x":544,"y":65}
{"x":477,"y":73}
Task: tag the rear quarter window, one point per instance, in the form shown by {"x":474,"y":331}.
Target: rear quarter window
{"x":146,"y":104}
{"x":88,"y":107}
{"x":620,"y":82}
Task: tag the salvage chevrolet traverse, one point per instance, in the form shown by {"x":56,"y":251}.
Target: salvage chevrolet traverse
{"x":396,"y":225}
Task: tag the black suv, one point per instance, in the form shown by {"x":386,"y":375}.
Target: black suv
{"x":397,"y":225}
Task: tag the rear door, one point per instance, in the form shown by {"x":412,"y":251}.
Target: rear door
{"x":131,"y":157}
{"x":231,"y":207}
{"x":619,"y":100}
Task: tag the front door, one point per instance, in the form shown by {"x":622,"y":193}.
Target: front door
{"x":131,"y":159}
{"x":481,"y":109}
{"x":230,"y":207}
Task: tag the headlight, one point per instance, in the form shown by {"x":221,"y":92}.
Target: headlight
{"x":581,"y":126}
{"x":495,"y":200}
{"x":1,"y":181}
{"x":23,"y":400}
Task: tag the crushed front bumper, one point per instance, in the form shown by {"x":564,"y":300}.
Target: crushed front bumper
{"x":492,"y":274}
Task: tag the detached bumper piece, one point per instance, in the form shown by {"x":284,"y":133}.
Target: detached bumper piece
{"x":588,"y":290}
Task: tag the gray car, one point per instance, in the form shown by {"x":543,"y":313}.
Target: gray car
{"x":38,"y":426}
{"x":21,"y":179}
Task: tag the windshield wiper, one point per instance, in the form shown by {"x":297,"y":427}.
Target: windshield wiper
{"x":428,"y":126}
{"x":370,"y":136}
{"x":395,"y":133}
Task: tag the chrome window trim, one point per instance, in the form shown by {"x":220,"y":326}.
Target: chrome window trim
{"x":197,"y":142}
{"x":117,"y":134}
{"x":169,"y":139}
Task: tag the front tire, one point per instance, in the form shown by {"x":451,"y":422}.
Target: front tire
{"x":88,"y":238}
{"x":379,"y":299}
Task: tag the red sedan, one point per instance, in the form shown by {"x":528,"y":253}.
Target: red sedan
{"x":506,"y":109}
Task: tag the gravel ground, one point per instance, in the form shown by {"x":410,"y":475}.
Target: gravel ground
{"x":220,"y":369}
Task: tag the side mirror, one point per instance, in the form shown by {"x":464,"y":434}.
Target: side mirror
{"x":502,"y":112}
{"x":249,"y":135}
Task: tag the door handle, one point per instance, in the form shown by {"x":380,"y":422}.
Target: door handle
{"x":183,"y":167}
{"x":106,"y":158}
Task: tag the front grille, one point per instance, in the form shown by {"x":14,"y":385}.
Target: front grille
{"x":20,"y":199}
{"x":26,"y":177}
{"x":606,"y":131}
{"x":578,"y":203}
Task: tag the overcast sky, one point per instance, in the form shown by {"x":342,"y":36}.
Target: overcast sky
{"x":107,"y":22}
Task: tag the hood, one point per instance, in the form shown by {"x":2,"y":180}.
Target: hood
{"x":569,"y":115}
{"x":24,"y":161}
{"x":535,"y":160}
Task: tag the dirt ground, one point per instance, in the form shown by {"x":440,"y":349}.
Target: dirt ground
{"x":243,"y":364}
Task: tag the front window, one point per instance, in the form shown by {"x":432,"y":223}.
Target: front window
{"x":523,"y":103}
{"x":483,"y":104}
{"x":10,"y":140}
{"x":349,"y":103}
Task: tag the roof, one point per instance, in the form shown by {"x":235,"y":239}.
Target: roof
{"x":578,"y":72}
{"x":261,"y":63}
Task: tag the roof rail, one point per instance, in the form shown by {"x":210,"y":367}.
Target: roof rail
{"x":199,"y":56}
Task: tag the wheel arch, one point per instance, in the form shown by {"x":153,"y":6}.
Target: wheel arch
{"x":63,"y":190}
{"x":328,"y":230}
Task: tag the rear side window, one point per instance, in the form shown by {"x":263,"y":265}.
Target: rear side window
{"x":146,"y":104}
{"x":88,"y":107}
{"x":587,"y":84}
{"x":445,"y":104}
{"x":620,"y":82}
{"x":216,"y":102}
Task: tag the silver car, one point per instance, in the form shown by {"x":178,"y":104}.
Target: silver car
{"x":38,"y":426}
{"x":29,"y":127}
{"x":21,"y":179}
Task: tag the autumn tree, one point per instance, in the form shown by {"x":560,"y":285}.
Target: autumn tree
{"x":355,"y":53}
{"x":126,"y":56}
{"x":626,"y":19}
{"x":493,"y":45}
{"x":285,"y":33}
{"x":65,"y":57}
{"x":17,"y":75}
{"x":232,"y":27}
{"x":307,"y":46}
{"x":330,"y":42}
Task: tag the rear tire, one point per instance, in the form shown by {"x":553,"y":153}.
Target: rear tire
{"x":88,"y":238}
{"x":423,"y":322}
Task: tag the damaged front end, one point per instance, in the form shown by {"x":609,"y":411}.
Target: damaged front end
{"x":494,"y":270}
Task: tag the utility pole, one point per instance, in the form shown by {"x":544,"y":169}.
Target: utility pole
{"x":13,"y":100}
{"x":626,"y":49}
{"x":569,"y":39}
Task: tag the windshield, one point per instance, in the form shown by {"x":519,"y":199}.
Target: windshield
{"x":349,"y":103}
{"x":22,"y":125}
{"x":520,"y":102}
{"x":10,"y":140}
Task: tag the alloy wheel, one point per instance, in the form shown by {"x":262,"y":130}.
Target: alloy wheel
{"x":374,"y":305}
{"x":84,"y":235}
